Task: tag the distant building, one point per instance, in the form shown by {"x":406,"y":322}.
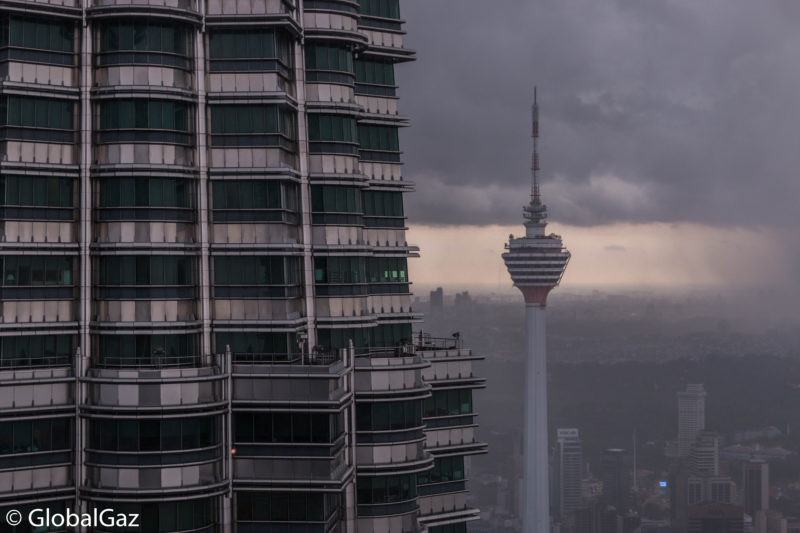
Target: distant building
{"x":741,"y":452}
{"x":591,"y":488}
{"x":768,"y":521}
{"x":745,"y":435}
{"x":716,"y":518}
{"x":463,"y":301}
{"x":437,"y":302}
{"x":756,"y":487}
{"x":596,"y":517}
{"x":691,"y":416}
{"x":699,"y":481}
{"x":704,"y":455}
{"x":568,"y":471}
{"x":616,"y":477}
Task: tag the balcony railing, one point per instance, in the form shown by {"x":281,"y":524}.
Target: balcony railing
{"x":34,"y":362}
{"x":155,"y":361}
{"x":314,"y":358}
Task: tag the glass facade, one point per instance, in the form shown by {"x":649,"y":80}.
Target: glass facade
{"x":146,"y":350}
{"x":39,"y":39}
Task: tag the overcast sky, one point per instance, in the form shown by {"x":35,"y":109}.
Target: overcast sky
{"x":651,"y":110}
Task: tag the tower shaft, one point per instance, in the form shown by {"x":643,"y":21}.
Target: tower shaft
{"x":536,"y":517}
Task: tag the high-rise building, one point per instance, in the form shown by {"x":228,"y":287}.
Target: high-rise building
{"x":616,"y":476}
{"x":701,"y":481}
{"x":691,"y":416}
{"x":568,"y":470}
{"x":704,"y":454}
{"x":182,"y":176}
{"x":536,"y":263}
{"x":756,"y":486}
{"x":436,"y":302}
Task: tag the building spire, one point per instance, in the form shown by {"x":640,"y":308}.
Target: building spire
{"x":536,"y":212}
{"x":536,"y":198}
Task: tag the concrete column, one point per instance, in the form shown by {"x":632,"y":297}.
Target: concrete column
{"x":305,"y":186}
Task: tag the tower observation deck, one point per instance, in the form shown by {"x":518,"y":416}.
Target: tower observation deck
{"x":536,"y":263}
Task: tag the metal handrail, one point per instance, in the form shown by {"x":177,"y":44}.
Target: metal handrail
{"x":34,"y":362}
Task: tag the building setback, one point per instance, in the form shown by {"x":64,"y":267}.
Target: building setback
{"x":206,"y":311}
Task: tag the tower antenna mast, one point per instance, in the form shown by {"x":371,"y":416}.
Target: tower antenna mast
{"x":536,"y":198}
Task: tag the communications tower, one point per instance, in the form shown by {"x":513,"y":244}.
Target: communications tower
{"x":536,"y":263}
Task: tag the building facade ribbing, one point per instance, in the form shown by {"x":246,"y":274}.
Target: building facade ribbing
{"x":183,"y":176}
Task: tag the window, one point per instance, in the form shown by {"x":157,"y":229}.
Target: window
{"x":36,"y":191}
{"x":334,"y":339}
{"x":36,"y":270}
{"x":444,"y":469}
{"x":146,"y":270}
{"x":143,"y":35}
{"x":383,"y":204}
{"x":37,"y":33}
{"x":384,"y":335}
{"x":372,"y":72}
{"x":319,"y":428}
{"x":146,"y":350}
{"x":246,"y":346}
{"x":264,"y":270}
{"x":146,"y":192}
{"x":144,"y":435}
{"x":331,"y":128}
{"x":250,"y":44}
{"x":448,"y":403}
{"x":285,"y":506}
{"x":36,"y":350}
{"x":381,"y":8}
{"x":335,"y":199}
{"x":385,"y":416}
{"x":339,"y":270}
{"x":378,"y":138}
{"x":329,"y":57}
{"x":35,"y":112}
{"x":252,"y":194}
{"x":387,"y":270}
{"x":252,"y":119}
{"x":125,"y":114}
{"x":386,"y":489}
{"x":35,"y":436}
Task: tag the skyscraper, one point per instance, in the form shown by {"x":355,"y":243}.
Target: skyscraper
{"x":756,"y":486}
{"x":691,"y":416}
{"x":436,"y":302}
{"x":569,"y":471}
{"x":536,"y":263}
{"x":616,"y":476}
{"x":182,"y":176}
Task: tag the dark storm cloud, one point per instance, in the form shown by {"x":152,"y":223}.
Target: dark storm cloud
{"x":659,"y":110}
